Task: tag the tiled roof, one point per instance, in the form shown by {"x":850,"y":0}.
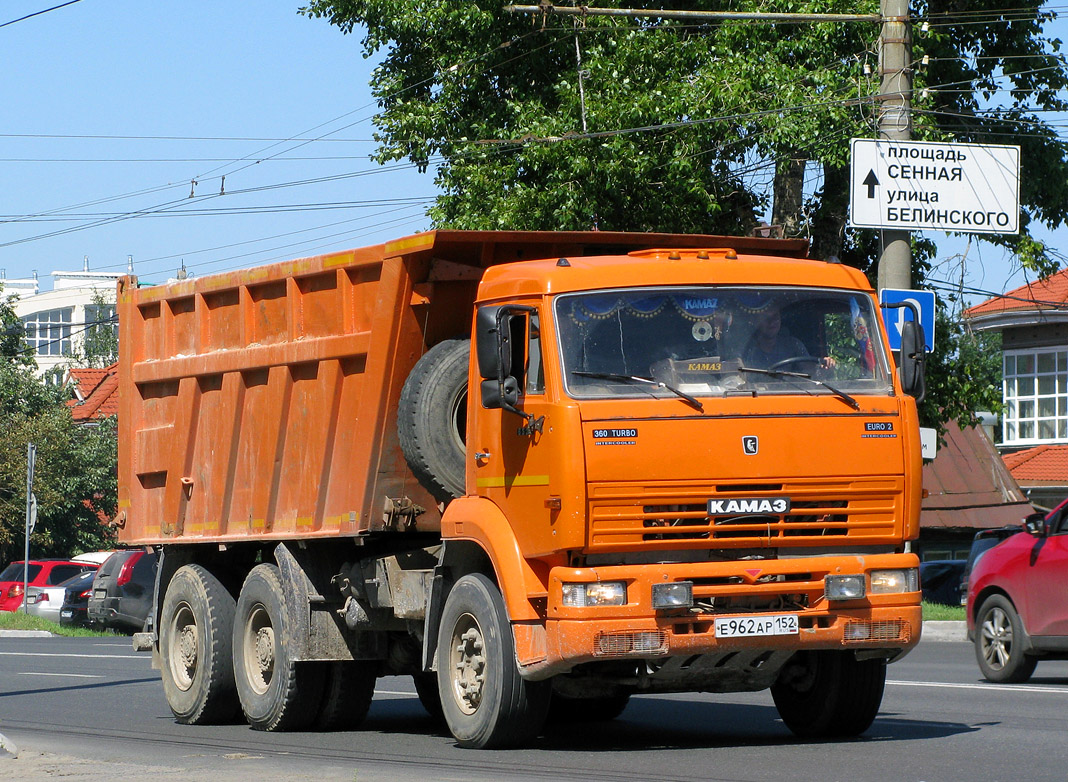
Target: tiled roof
{"x":1051,"y":293}
{"x":97,"y":391}
{"x":1041,"y":464}
{"x":969,"y":486}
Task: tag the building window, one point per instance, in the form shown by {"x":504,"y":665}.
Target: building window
{"x":48,"y":332}
{"x":1036,"y":396}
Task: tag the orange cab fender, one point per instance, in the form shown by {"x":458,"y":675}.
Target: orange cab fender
{"x":479,"y":522}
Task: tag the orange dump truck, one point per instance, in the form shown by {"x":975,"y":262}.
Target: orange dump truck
{"x":535,"y":471}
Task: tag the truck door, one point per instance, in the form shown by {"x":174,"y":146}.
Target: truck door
{"x":517,"y":453}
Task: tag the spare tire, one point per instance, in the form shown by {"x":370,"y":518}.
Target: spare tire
{"x":432,"y":419}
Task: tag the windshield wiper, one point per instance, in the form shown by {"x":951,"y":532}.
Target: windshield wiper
{"x":804,"y":375}
{"x":645,"y":381}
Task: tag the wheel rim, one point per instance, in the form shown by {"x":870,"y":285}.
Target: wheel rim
{"x":182,"y":647}
{"x":258,"y":649}
{"x":468,"y":664}
{"x":996,"y":635}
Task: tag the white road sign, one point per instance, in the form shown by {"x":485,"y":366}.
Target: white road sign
{"x":917,"y":185}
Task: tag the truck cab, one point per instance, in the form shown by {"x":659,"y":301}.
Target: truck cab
{"x":708,"y":468}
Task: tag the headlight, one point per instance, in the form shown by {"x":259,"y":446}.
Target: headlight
{"x":677,"y":594}
{"x":886,"y":582}
{"x":602,"y":593}
{"x":844,"y":587}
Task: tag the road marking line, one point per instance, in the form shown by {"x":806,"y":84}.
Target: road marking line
{"x":395,"y":692}
{"x":73,"y":675}
{"x":985,"y":687}
{"x":146,"y":658}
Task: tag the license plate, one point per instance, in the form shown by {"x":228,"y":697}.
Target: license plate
{"x":752,"y":626}
{"x":66,"y":613}
{"x":99,"y":594}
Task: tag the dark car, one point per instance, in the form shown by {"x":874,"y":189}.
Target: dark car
{"x":122,"y":590}
{"x":940,"y":580}
{"x":74,"y":612}
{"x":1018,"y":599}
{"x":40,"y":572}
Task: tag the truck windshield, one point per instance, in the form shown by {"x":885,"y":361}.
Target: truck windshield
{"x":718,"y":341}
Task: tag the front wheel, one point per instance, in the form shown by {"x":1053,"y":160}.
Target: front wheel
{"x":829,"y":694}
{"x":486,"y":703}
{"x":999,"y":643}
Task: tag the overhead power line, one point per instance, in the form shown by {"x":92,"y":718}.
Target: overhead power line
{"x":38,"y":13}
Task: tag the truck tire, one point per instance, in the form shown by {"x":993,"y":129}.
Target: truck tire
{"x":426,"y":687}
{"x":432,"y":419}
{"x":486,"y":703}
{"x":999,"y":643}
{"x":196,"y":625}
{"x":829,"y":694}
{"x":347,"y":694}
{"x":276,"y":693}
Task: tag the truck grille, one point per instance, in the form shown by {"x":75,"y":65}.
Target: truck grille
{"x":628,"y":516}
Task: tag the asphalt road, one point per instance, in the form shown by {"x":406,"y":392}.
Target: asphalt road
{"x":93,"y":709}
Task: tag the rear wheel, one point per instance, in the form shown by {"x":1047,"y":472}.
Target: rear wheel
{"x":426,"y":687}
{"x":347,"y":694}
{"x":275,"y":692}
{"x":486,"y":703}
{"x":999,"y":642}
{"x":829,"y":694}
{"x":196,"y":625}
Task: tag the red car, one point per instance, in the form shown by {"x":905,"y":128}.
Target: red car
{"x":42,"y":572}
{"x":1018,"y":599}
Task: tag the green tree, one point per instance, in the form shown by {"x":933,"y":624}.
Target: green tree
{"x":75,"y":474}
{"x":649,"y":125}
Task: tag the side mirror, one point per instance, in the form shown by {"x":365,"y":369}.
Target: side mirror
{"x":493,"y":349}
{"x":1035,"y":525}
{"x":912,"y":359}
{"x":500,"y":394}
{"x":491,"y":341}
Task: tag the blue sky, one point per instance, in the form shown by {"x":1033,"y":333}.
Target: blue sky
{"x":115,"y":107}
{"x":252,"y":73}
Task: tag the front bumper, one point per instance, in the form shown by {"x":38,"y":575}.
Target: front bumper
{"x":886,"y":624}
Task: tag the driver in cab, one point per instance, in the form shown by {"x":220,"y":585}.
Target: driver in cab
{"x":770,"y":347}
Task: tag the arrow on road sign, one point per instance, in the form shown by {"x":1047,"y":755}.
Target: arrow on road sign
{"x":871,"y":181}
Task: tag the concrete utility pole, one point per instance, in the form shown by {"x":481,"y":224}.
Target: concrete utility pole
{"x":895,"y":124}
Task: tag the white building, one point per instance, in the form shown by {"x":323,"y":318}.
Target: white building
{"x":57,"y":321}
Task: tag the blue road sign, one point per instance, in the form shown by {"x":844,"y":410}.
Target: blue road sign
{"x":924,"y":301}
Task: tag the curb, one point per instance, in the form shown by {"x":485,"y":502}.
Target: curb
{"x":25,"y":634}
{"x":944,"y":631}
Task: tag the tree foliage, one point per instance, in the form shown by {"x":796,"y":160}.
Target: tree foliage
{"x":75,"y":471}
{"x":648,"y":125}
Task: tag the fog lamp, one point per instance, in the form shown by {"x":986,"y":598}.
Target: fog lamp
{"x":678,"y":594}
{"x":602,"y":593}
{"x":885,"y":582}
{"x":844,"y":587}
